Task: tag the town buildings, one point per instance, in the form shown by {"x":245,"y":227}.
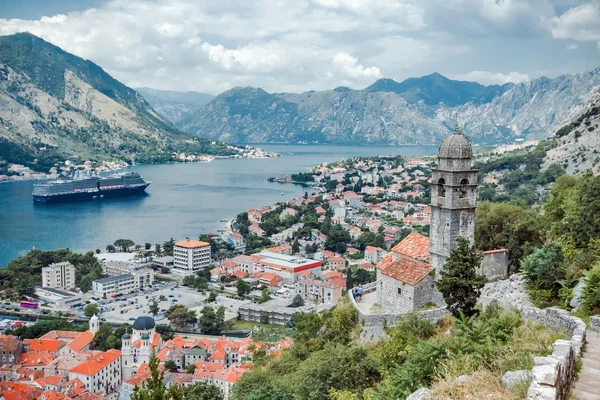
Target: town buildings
{"x":59,"y":276}
{"x":123,"y":284}
{"x":190,"y":256}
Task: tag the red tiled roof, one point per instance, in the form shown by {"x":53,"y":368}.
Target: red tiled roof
{"x":36,"y":359}
{"x":81,"y":341}
{"x":60,"y":335}
{"x":191,"y":244}
{"x":49,"y":345}
{"x":414,"y":245}
{"x":405,"y":269}
{"x":9,"y":342}
{"x":97,"y":362}
{"x":53,"y":395}
{"x":495,"y":251}
{"x":18,"y":391}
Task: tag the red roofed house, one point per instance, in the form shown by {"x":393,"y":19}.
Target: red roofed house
{"x":335,"y":263}
{"x":374,"y":254}
{"x":225,"y":378}
{"x":101,"y":373}
{"x":405,"y":276}
{"x":270,"y":279}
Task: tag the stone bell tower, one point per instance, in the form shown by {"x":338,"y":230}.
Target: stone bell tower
{"x":453,"y":198}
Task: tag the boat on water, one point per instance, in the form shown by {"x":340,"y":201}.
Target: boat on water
{"x":89,"y":188}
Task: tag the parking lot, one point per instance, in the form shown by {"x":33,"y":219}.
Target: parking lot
{"x":128,"y":308}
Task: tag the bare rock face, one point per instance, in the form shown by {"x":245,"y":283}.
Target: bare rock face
{"x":392,"y":112}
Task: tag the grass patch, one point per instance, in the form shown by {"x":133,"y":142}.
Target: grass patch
{"x":249,"y":325}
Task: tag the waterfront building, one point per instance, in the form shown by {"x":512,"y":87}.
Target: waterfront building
{"x":59,"y":276}
{"x":163,"y":262}
{"x":190,"y":256}
{"x":58,"y":298}
{"x":320,"y":291}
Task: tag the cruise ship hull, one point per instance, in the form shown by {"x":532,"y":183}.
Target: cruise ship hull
{"x":90,"y":195}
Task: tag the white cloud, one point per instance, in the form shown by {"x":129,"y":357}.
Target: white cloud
{"x":351,"y":68}
{"x":579,"y":23}
{"x":493,"y":78}
{"x":298,"y":45}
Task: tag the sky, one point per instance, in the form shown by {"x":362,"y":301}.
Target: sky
{"x":297,"y":45}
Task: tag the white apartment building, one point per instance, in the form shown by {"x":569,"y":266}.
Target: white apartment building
{"x":59,"y":276}
{"x":190,"y":256}
{"x":125,"y":283}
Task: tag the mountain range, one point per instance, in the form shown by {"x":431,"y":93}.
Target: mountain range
{"x":54,"y":106}
{"x":174,"y":106}
{"x":415,"y":111}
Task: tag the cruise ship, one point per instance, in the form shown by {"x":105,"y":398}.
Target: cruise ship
{"x":91,"y":187}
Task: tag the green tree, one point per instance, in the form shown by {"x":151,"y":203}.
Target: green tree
{"x":590,"y":295}
{"x":153,"y":306}
{"x":460,"y":284}
{"x":180,"y":315}
{"x":242,"y":287}
{"x":295,"y":247}
{"x":264,"y":296}
{"x":110,"y":248}
{"x":154,"y":388}
{"x":211,"y":321}
{"x":171,"y":366}
{"x":510,"y":226}
{"x":190,"y":369}
{"x":211,"y":297}
{"x":90,"y":310}
{"x":202,"y":391}
{"x":168,"y":246}
{"x":544,"y":268}
{"x":337,"y":239}
{"x":298,"y":301}
{"x":124,"y":244}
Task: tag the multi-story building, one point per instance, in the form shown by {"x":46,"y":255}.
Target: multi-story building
{"x":320,"y":291}
{"x":101,"y":373}
{"x":11,"y":348}
{"x":125,"y":283}
{"x":59,"y":276}
{"x":190,"y":256}
{"x":374,"y":254}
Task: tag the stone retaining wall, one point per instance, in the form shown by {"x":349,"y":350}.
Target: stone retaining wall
{"x":553,"y":375}
{"x":374,"y":324}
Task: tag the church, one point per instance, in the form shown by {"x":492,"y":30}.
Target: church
{"x":406,"y":276}
{"x":138,"y":347}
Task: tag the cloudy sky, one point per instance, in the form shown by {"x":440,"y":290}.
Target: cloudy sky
{"x":298,"y":45}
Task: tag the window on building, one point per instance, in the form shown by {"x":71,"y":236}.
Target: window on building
{"x":399,"y":291}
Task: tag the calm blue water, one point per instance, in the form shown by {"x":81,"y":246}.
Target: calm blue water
{"x":184,"y":200}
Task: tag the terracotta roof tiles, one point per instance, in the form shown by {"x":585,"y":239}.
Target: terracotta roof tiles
{"x":414,"y":245}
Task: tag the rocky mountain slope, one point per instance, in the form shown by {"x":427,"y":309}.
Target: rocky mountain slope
{"x":415,"y":111}
{"x":578,"y":141}
{"x":54,"y":105}
{"x":172,"y":105}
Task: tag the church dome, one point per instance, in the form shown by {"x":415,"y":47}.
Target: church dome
{"x":126,"y":336}
{"x":143,"y":323}
{"x":456,"y":145}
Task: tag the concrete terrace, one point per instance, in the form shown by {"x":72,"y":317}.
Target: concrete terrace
{"x":368,"y":304}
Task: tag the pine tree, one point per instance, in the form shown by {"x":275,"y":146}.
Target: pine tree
{"x":154,"y":388}
{"x":460,"y":284}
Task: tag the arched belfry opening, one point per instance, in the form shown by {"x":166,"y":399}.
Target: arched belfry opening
{"x":441,"y":188}
{"x":464,"y":187}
